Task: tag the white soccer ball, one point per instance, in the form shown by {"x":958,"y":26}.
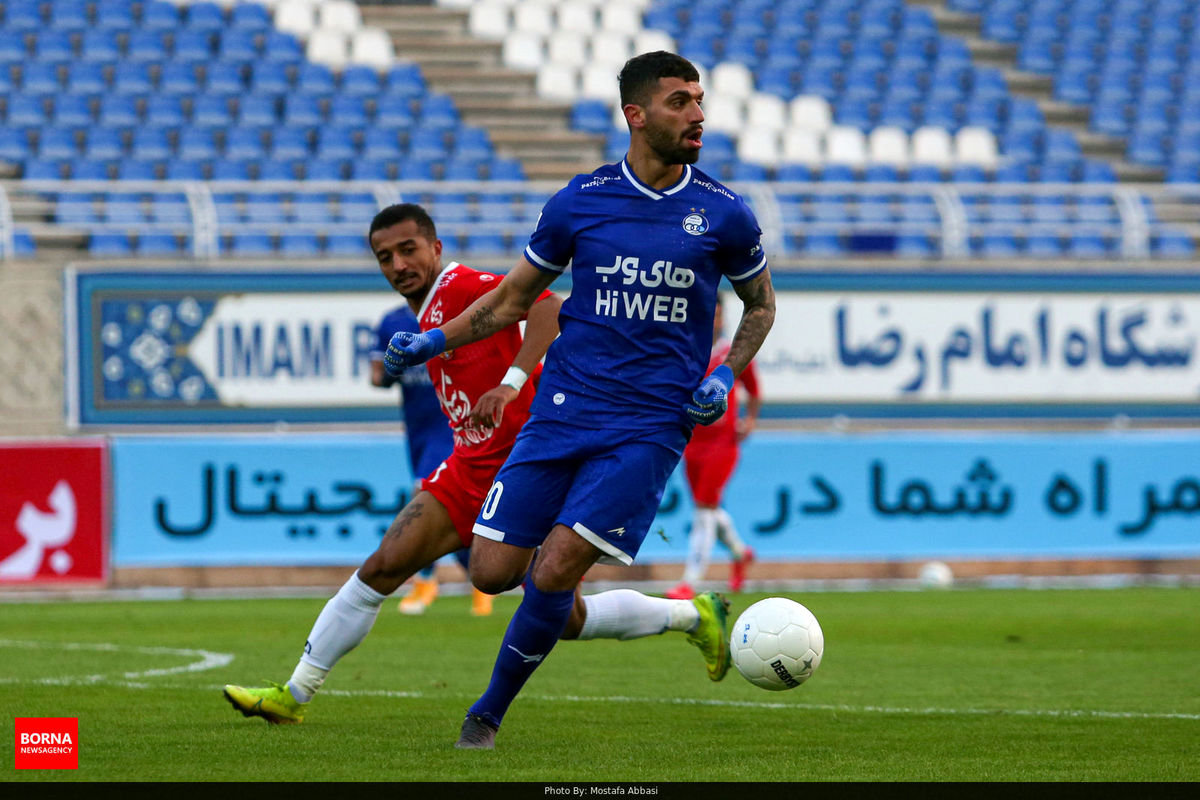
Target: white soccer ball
{"x":777,"y":644}
{"x":936,"y":575}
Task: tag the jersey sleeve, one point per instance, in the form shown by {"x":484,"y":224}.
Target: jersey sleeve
{"x":551,"y":246}
{"x":743,"y":255}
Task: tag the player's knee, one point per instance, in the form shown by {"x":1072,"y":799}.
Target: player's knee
{"x":493,"y":581}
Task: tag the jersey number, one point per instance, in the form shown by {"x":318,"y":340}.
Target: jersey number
{"x":489,"y":502}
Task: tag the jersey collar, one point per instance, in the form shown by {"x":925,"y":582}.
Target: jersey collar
{"x":655,"y":194}
{"x":437,"y":284}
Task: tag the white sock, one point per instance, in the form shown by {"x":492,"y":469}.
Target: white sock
{"x":343,"y":623}
{"x":626,"y":614}
{"x":700,"y":542}
{"x":727,"y":533}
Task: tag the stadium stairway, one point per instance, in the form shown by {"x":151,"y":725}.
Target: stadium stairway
{"x":1071,"y":116}
{"x":488,"y":94}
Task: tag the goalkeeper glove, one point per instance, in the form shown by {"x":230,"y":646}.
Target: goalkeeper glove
{"x":711,"y":397}
{"x":407,"y":349}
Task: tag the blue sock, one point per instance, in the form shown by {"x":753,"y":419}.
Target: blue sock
{"x":531,"y":634}
{"x":463,"y":556}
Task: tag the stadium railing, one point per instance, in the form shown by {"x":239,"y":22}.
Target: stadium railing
{"x":799,"y":220}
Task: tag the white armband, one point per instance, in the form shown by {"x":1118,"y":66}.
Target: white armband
{"x":515,"y":377}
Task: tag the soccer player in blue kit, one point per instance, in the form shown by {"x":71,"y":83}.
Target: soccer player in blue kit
{"x":648,"y":241}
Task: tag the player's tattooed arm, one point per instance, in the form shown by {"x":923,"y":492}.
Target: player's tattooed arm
{"x":500,"y":307}
{"x":758,"y":314}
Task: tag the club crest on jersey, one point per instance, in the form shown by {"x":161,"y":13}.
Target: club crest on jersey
{"x":695,"y":224}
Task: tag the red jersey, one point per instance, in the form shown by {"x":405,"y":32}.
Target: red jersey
{"x":723,"y":432}
{"x":462,"y":375}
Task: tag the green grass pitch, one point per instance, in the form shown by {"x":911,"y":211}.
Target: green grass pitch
{"x":955,"y":685}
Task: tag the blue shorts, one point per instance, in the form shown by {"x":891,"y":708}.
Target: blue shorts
{"x":605,"y":485}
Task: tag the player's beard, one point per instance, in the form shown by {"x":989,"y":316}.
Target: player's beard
{"x":668,"y":147}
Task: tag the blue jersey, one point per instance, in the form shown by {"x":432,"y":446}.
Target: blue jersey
{"x":430,"y":439}
{"x":645,"y":265}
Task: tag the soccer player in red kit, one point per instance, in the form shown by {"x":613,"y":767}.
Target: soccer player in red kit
{"x":484,"y":394}
{"x":709,"y":460}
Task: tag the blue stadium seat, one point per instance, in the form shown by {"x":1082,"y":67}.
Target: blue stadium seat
{"x":124,"y":208}
{"x":506,"y":169}
{"x":311,"y":207}
{"x":42,"y":169}
{"x":178,"y":77}
{"x":72,"y":110}
{"x":1087,"y":245}
{"x":346,"y":244}
{"x":281,"y":49}
{"x":360,"y":80}
{"x":252,"y":245}
{"x":405,"y":79}
{"x":179,"y":169}
{"x":85,"y":78}
{"x":157,"y":244}
{"x":372,"y":169}
{"x":146,"y":45}
{"x":53,"y":46}
{"x":462,"y":169}
{"x":302,"y":108}
{"x":325,"y":169}
{"x":75,"y":208}
{"x":132,"y":78}
{"x":22,"y":17}
{"x":40,"y":77}
{"x":271,"y":169}
{"x":266,"y":76}
{"x":380,"y":143}
{"x":14,"y":145}
{"x":1169,"y":243}
{"x":194,"y":46}
{"x":57,"y":143}
{"x":231,"y":169}
{"x":244,"y":142}
{"x":225,"y":77}
{"x":170,"y":207}
{"x":196,"y":143}
{"x":211,"y":110}
{"x":26,"y":111}
{"x":238,"y":45}
{"x":264,"y":209}
{"x":348,"y":110}
{"x":159,"y":15}
{"x":114,"y":15}
{"x":150,"y":142}
{"x":165,"y":110}
{"x":1043,"y":246}
{"x":996,"y":245}
{"x":205,"y":16}
{"x":99,"y":46}
{"x":299,"y":244}
{"x":357,"y":206}
{"x":472,"y":142}
{"x":109,"y":245}
{"x":250,"y":16}
{"x":336,"y":141}
{"x":119,"y":110}
{"x":427,"y":143}
{"x":438,"y":110}
{"x":136,"y":169}
{"x":104,"y":142}
{"x":315,"y":78}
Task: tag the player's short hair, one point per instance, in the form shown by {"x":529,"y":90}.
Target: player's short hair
{"x":403,"y":212}
{"x":639,"y":77}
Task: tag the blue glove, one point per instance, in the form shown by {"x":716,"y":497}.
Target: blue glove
{"x":407,"y":349}
{"x":711,"y":397}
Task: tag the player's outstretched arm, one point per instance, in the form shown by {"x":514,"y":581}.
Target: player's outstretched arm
{"x":495,"y":310}
{"x":541,"y":329}
{"x":758,"y":315}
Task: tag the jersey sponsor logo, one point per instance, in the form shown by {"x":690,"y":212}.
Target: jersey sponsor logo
{"x":695,"y":224}
{"x":632,"y":304}
{"x":658,"y":274}
{"x":456,"y":404}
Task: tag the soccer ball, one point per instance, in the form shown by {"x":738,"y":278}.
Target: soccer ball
{"x":777,"y":644}
{"x":936,"y":575}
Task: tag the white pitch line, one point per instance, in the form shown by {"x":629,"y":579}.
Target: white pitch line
{"x":207,"y":660}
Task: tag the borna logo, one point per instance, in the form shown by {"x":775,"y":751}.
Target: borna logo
{"x":695,"y":224}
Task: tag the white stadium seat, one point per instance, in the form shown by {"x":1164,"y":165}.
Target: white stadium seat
{"x":766,"y":112}
{"x":298,"y":17}
{"x":578,"y":16}
{"x":976,"y":146}
{"x":373,"y":47}
{"x":328,"y":48}
{"x":611,"y":48}
{"x":534,"y":18}
{"x":724,"y":114}
{"x":523,"y":50}
{"x":933,"y":146}
{"x":599,"y":81}
{"x":888,"y":144}
{"x":759,"y":146}
{"x":651,"y":40}
{"x":845,"y":144}
{"x":567,"y":47}
{"x":339,"y":15}
{"x":811,"y":112}
{"x":802,"y":146}
{"x":622,"y":16}
{"x":489,"y":20}
{"x":558,"y":81}
{"x":732,"y":79}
